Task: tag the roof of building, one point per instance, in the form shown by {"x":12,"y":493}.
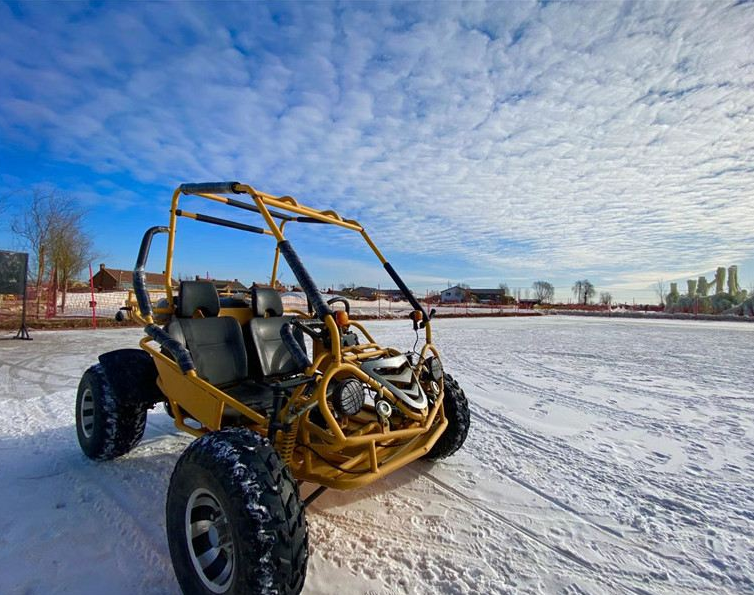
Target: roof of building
{"x":476,"y":289}
{"x":229,"y":283}
{"x":126,"y":277}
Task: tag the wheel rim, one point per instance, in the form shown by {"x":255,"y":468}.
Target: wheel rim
{"x":210,"y":541}
{"x":86,"y":413}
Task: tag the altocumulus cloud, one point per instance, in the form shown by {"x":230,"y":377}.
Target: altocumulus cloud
{"x":536,"y":139}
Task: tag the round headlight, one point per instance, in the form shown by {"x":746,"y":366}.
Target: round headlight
{"x":348,"y":398}
{"x":384,"y":409}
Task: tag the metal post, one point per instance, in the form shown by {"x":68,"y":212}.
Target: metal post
{"x":92,"y":303}
{"x":23,"y":332}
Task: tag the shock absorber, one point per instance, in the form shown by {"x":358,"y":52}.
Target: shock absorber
{"x":287,"y":442}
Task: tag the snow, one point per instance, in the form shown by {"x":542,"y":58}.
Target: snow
{"x":605,"y":456}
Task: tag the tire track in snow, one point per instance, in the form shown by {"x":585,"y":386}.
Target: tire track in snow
{"x":560,"y":551}
{"x":557,"y":374}
{"x":493,"y":456}
{"x":687,"y":498}
{"x":688,"y":565}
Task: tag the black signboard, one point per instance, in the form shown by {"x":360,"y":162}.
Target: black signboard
{"x":13,"y":269}
{"x":13,"y":272}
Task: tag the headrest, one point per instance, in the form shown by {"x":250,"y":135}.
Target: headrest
{"x":198,"y":295}
{"x":266,"y":302}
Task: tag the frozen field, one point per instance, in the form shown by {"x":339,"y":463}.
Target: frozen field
{"x":604,"y":457}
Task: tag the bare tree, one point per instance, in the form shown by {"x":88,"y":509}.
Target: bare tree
{"x":661,"y":290}
{"x":544,"y":291}
{"x":33,"y":225}
{"x":4,"y":202}
{"x":583,"y":291}
{"x":589,"y":291}
{"x":71,"y":251}
{"x":578,"y":291}
{"x":51,"y":225}
{"x":606,"y":298}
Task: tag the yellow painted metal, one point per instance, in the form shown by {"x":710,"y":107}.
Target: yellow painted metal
{"x":276,"y":259}
{"x":196,"y":396}
{"x":268,"y":219}
{"x":242,"y":315}
{"x":345,"y":452}
{"x":374,"y":248}
{"x":171,"y":247}
{"x":288,"y":203}
{"x":364,"y":331}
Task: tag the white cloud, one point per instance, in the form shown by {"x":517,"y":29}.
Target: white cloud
{"x":606,"y":139}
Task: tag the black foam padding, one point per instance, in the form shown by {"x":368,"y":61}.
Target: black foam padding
{"x":139,"y":278}
{"x":209,"y":188}
{"x":140,"y":289}
{"x":266,"y":302}
{"x":304,"y":280}
{"x":293,"y":346}
{"x":275,"y":359}
{"x":179,"y":353}
{"x":405,"y":290}
{"x":198,"y":295}
{"x":223,"y":222}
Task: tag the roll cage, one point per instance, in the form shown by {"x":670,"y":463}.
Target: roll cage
{"x":275,"y":222}
{"x":341,"y":453}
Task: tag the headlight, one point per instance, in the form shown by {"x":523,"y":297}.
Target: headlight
{"x":348,"y":398}
{"x":435,"y":368}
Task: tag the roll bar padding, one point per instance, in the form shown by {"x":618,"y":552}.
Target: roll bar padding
{"x":405,"y":290}
{"x":180,"y":354}
{"x":210,"y":188}
{"x":304,"y":280}
{"x":140,"y":277}
{"x":294,"y":347}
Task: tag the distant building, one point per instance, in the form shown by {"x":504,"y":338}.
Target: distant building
{"x":454,"y":294}
{"x":107,"y":279}
{"x":393,"y":295}
{"x":458,"y":294}
{"x":371,"y":293}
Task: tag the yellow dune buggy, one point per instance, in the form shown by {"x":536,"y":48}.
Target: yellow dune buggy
{"x":276,"y":398}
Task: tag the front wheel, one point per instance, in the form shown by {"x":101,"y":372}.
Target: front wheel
{"x":235,"y":522}
{"x":456,"y":408}
{"x":107,"y":426}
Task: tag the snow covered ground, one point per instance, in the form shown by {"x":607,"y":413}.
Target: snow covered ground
{"x":605,"y":456}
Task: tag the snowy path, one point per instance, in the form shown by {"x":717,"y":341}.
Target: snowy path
{"x":604,"y":457}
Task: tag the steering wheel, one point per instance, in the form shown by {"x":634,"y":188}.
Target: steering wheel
{"x":342,"y":300}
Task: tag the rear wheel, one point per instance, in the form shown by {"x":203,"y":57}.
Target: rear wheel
{"x":235,"y":522}
{"x":107,"y":426}
{"x":456,"y":408}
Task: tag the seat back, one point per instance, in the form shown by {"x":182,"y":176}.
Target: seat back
{"x":272,"y":356}
{"x":216,"y":344}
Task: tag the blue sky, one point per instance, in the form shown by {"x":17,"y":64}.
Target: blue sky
{"x":476,"y":142}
